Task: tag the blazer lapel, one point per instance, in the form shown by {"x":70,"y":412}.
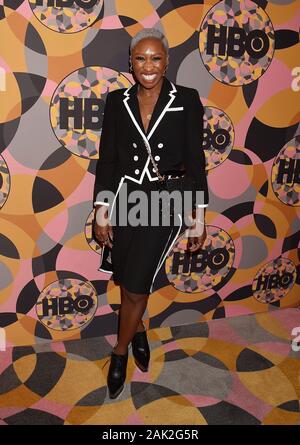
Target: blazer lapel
{"x":161,"y":103}
{"x":165,"y":98}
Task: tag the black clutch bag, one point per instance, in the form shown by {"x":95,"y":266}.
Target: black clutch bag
{"x":106,"y":264}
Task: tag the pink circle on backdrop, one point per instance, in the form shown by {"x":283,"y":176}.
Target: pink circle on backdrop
{"x":229,"y":181}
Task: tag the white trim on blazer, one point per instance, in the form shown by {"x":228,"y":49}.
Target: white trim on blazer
{"x":141,"y":131}
{"x":161,"y":261}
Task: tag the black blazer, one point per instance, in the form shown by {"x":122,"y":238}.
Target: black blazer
{"x":175,"y":134}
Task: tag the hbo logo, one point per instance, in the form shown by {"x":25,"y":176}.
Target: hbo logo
{"x":274,"y":281}
{"x":216,"y":259}
{"x":85,"y":4}
{"x":219,"y":139}
{"x":66,"y":305}
{"x":87,"y":113}
{"x":234,"y":41}
{"x":288,"y":171}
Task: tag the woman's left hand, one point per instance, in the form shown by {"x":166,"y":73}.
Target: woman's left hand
{"x":196,"y":242}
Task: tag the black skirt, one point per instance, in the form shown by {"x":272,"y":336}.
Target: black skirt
{"x":139,"y":251}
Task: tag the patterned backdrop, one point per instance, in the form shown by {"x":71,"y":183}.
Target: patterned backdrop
{"x":58,"y":60}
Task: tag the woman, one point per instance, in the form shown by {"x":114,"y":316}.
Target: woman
{"x":170,"y":118}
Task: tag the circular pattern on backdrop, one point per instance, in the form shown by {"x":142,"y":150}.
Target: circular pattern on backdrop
{"x":274,"y":280}
{"x":77,"y":106}
{"x":204,"y":269}
{"x":286,"y":172}
{"x":67,"y":16}
{"x":11,"y":96}
{"x":67,"y":304}
{"x":218,"y":136}
{"x":8,"y":8}
{"x":88,"y":230}
{"x":236,"y":42}
{"x":4,"y":182}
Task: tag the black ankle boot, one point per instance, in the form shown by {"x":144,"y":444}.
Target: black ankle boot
{"x":117,"y":374}
{"x":141,"y":350}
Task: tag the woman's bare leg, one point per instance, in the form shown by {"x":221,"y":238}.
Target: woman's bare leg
{"x":141,"y":326}
{"x":132,"y":309}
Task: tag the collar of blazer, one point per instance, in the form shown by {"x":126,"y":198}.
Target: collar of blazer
{"x":165,"y":98}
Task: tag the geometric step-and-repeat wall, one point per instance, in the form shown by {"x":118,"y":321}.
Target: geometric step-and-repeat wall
{"x":58,"y":61}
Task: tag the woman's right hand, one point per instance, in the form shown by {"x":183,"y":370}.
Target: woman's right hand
{"x":102,"y":227}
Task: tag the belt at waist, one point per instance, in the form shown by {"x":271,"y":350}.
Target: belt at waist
{"x":173,"y":173}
